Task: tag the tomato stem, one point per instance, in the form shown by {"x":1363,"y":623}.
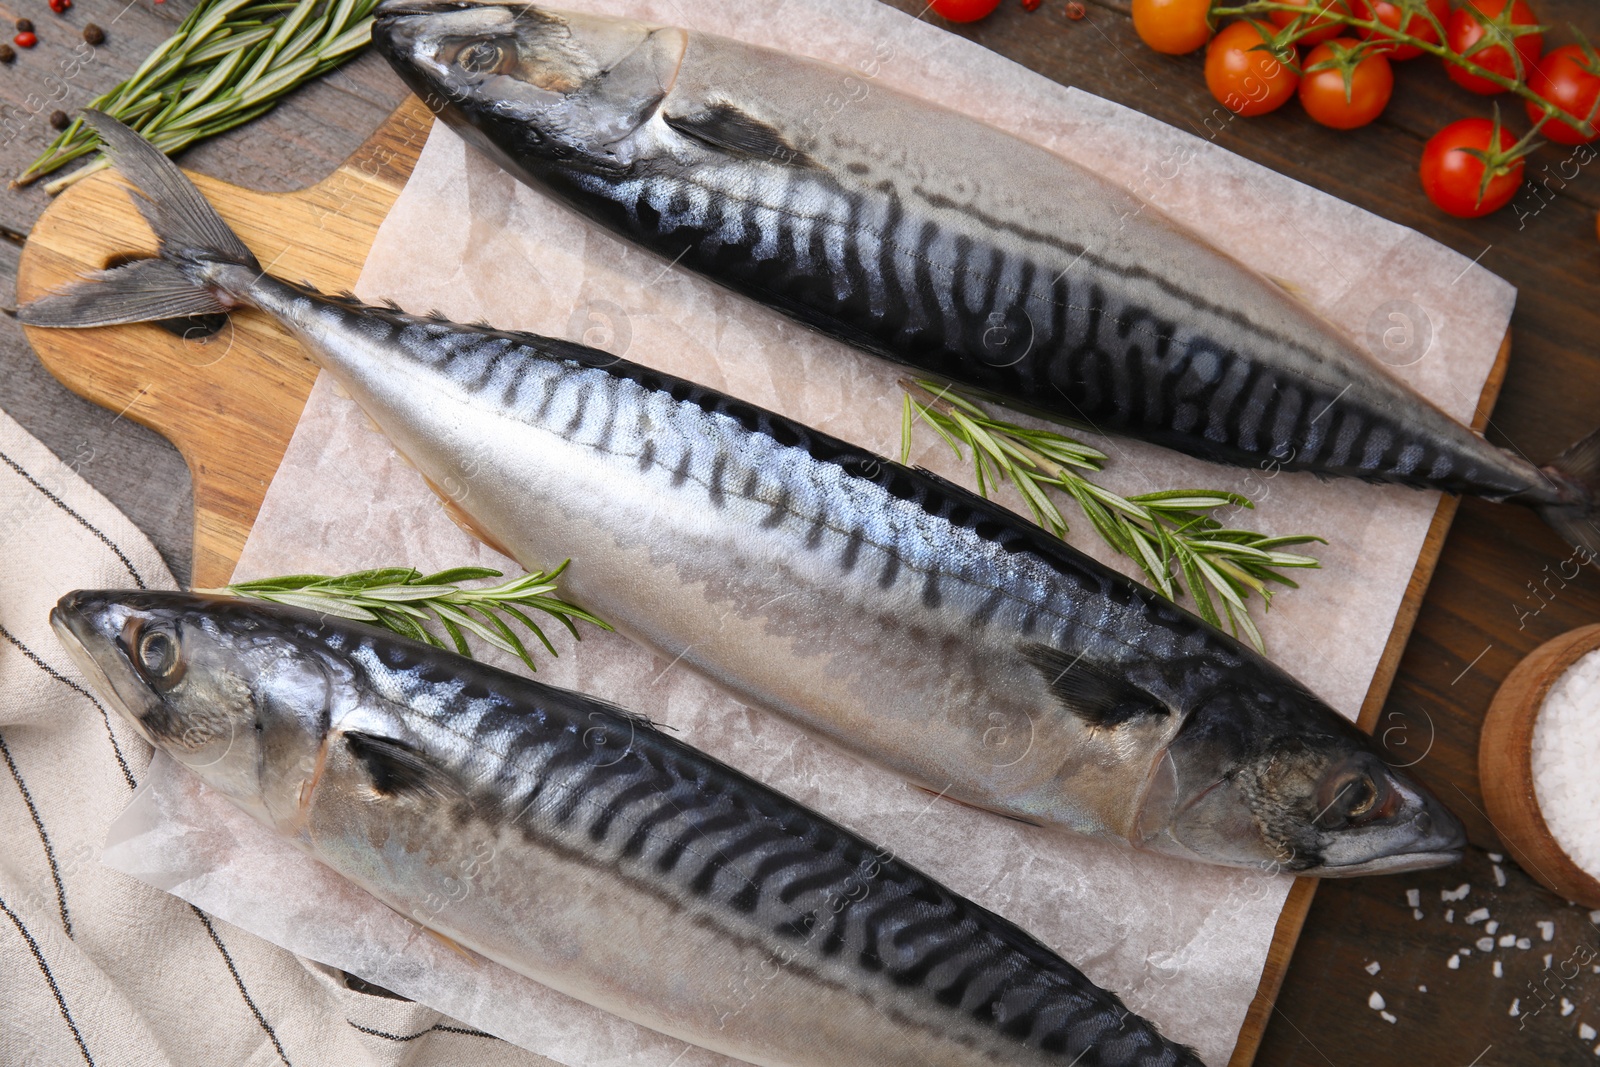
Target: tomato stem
{"x":1380,"y":29}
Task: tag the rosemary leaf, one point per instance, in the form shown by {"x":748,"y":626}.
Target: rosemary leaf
{"x":228,"y":62}
{"x":1171,"y":535}
{"x":411,"y":604}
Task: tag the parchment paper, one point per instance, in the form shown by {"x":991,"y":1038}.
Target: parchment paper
{"x":1183,"y":944}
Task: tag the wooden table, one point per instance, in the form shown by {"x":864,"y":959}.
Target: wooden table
{"x":1499,"y":589}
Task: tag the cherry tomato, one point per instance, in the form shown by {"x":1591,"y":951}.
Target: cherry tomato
{"x":1321,"y":29}
{"x":963,"y":10}
{"x":1416,"y":25}
{"x":1561,"y":79}
{"x":1172,"y":27}
{"x":1323,"y":92}
{"x":1452,"y":177}
{"x":1245,"y":81}
{"x":1463,"y":31}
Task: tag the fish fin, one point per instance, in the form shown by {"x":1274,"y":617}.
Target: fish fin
{"x":141,"y":291}
{"x":192,"y":236}
{"x":1292,"y":289}
{"x":1575,"y":513}
{"x":397,"y":769}
{"x":462,"y":519}
{"x":725,"y":127}
{"x":1090,"y":690}
{"x":978,"y":807}
{"x":451,"y":944}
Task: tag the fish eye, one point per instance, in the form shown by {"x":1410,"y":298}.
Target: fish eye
{"x":1354,"y":799}
{"x":481,"y":57}
{"x":155,"y":655}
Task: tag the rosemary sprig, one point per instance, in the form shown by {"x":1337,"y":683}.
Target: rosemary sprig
{"x":411,"y":603}
{"x":229,"y":62}
{"x":1172,"y":535}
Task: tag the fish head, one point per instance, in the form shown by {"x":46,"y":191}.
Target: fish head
{"x":228,"y":692}
{"x":545,"y":85}
{"x":1281,"y":782}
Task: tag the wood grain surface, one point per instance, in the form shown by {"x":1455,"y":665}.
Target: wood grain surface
{"x":1497,"y":590}
{"x":229,"y":401}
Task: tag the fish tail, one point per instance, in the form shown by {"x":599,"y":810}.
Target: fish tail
{"x":1575,"y":510}
{"x":198,"y":250}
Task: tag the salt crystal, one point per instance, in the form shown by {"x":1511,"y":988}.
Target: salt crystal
{"x":1374,"y":967}
{"x":1508,"y":940}
{"x":1388,"y":1018}
{"x":1454,"y":963}
{"x":1586,"y":1032}
{"x":1547,"y":959}
{"x":1375,"y":1002}
{"x":1422,"y":989}
{"x":1491,"y":926}
{"x":1449,"y":915}
{"x":1414,"y":897}
{"x":1594,"y":916}
{"x":1485,"y":944}
{"x":1459,"y":893}
{"x":1416,"y":913}
{"x":1567,"y":1007}
{"x":1481,"y":914}
{"x":1597,"y":1050}
{"x":1564,"y":751}
{"x":1499,"y":876}
{"x":1524,"y":943}
{"x":1495,"y":857}
{"x":1499,"y":971}
{"x":1516,"y":1007}
{"x":1547,"y":930}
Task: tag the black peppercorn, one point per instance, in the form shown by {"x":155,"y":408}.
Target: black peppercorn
{"x":7,"y":54}
{"x":94,"y":34}
{"x":58,"y":120}
{"x":24,"y":25}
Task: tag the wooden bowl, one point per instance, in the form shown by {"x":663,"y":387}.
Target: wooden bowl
{"x":1505,"y":767}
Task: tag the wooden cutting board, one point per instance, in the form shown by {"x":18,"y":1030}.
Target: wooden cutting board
{"x":230,"y":401}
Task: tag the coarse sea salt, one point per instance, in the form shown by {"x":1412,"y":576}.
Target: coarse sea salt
{"x":1586,"y":1032}
{"x":1566,"y":748}
{"x":1414,"y":897}
{"x":1477,"y":916}
{"x":1499,"y":971}
{"x":1491,"y":926}
{"x":1388,"y":1017}
{"x":1375,"y":1002}
{"x":1374,"y":967}
{"x":1547,"y":930}
{"x":1454,"y":963}
{"x":1458,"y":893}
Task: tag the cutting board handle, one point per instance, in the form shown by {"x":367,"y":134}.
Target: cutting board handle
{"x":230,"y":401}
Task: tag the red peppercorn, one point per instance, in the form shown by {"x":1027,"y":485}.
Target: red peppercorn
{"x":1075,"y":11}
{"x":25,"y":40}
{"x":1031,"y":5}
{"x":60,"y":6}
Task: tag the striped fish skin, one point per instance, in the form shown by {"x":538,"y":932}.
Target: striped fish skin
{"x":936,"y":241}
{"x":905,"y":619}
{"x":577,"y":844}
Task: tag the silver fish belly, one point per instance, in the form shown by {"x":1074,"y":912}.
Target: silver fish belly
{"x":578,"y":845}
{"x":940,"y":242}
